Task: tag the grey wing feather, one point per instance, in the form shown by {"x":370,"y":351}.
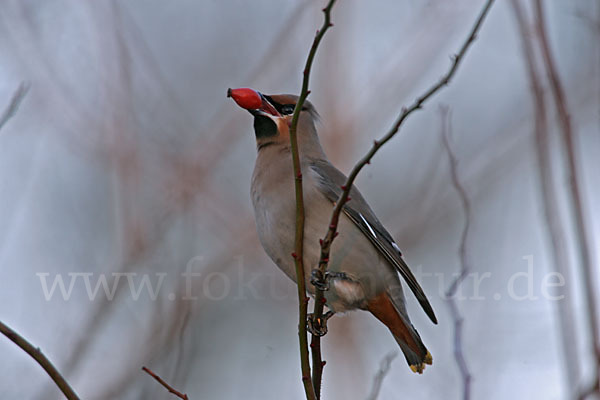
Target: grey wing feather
{"x":360,"y":213}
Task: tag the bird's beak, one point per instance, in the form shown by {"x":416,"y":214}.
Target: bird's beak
{"x":253,"y":101}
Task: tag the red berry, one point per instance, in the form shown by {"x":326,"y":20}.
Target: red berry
{"x":246,"y":98}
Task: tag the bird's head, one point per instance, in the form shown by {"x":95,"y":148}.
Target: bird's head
{"x":273,"y":117}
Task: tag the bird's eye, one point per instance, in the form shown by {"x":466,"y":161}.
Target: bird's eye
{"x":287,"y":108}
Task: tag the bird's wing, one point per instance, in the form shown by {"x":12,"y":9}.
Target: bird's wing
{"x":330,"y":183}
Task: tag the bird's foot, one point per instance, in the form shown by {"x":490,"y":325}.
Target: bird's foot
{"x":322,"y":280}
{"x":318,"y":326}
{"x":319,"y":279}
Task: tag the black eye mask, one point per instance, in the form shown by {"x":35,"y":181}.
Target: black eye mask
{"x":283,"y":109}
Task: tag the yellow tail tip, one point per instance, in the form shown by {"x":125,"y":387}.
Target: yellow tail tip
{"x":428,"y":359}
{"x":419,"y":368}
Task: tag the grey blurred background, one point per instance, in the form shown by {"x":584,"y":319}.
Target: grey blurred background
{"x":126,"y":160}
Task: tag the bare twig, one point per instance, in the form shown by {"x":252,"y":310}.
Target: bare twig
{"x":384,"y":368}
{"x":165,"y":384}
{"x":554,"y":225}
{"x":317,"y":357}
{"x":576,"y":203}
{"x":418,"y":104}
{"x":38,"y":356}
{"x":19,"y":340}
{"x":15,"y":102}
{"x":312,"y":389}
{"x":377,"y":144}
{"x":457,"y":318}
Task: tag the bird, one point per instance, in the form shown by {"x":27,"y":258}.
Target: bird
{"x":365,"y":262}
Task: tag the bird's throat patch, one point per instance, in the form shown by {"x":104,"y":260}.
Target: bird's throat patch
{"x":264,"y":127}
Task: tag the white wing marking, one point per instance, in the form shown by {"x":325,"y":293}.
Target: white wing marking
{"x":368,"y":226}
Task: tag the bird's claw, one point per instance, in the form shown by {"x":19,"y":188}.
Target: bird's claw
{"x":320,"y":280}
{"x":318,"y":326}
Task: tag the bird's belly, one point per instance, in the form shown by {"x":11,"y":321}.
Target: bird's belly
{"x":275,"y":224}
{"x":352,"y":254}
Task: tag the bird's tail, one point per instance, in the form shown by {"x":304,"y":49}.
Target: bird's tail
{"x":415,"y":352}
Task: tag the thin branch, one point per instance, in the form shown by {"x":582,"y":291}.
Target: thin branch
{"x":576,"y":203}
{"x":19,"y":340}
{"x":15,"y":102}
{"x":41,"y":359}
{"x":457,"y":318}
{"x":165,"y":384}
{"x":312,"y":389}
{"x":315,"y":348}
{"x":554,"y":226}
{"x":384,"y":368}
{"x":417,"y":105}
{"x":377,"y":144}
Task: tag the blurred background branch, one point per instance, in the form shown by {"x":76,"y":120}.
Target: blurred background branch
{"x":13,"y":106}
{"x":384,"y":369}
{"x":452,"y":290}
{"x":582,"y":235}
{"x":554,"y":226}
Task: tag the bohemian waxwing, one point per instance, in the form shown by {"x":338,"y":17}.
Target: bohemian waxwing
{"x":364,"y":259}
